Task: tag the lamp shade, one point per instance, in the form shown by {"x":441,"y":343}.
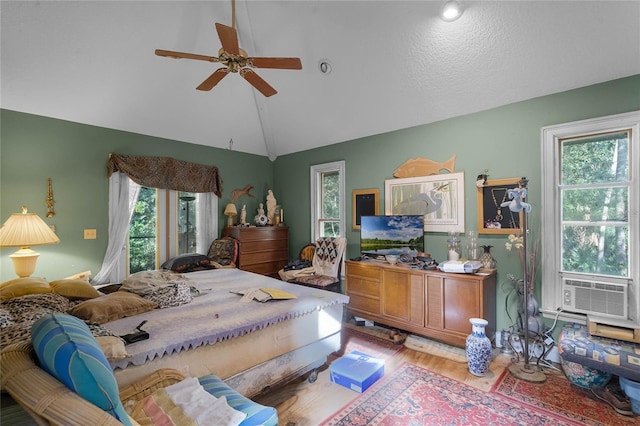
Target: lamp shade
{"x":25,"y":230}
{"x":230,"y":210}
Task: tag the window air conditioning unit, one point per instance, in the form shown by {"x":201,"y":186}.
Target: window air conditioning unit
{"x":594,"y":297}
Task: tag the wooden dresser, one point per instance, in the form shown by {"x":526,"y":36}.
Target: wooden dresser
{"x":263,"y":249}
{"x":429,"y":303}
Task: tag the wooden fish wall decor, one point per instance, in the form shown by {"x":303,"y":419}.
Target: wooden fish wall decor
{"x":420,"y":166}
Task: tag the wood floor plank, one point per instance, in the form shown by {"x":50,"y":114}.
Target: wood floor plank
{"x":300,"y":403}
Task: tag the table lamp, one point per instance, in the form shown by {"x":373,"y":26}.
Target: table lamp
{"x":230,"y":211}
{"x":25,"y":230}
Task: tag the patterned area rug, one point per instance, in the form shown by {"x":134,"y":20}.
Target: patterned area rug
{"x":559,"y":396}
{"x":412,"y":395}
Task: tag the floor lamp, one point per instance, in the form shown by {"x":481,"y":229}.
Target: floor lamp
{"x":25,"y":230}
{"x":524,"y":371}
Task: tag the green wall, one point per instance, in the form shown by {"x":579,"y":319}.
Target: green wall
{"x":74,"y":156}
{"x":504,"y":140}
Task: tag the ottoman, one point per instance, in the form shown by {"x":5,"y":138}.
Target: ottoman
{"x":591,"y":360}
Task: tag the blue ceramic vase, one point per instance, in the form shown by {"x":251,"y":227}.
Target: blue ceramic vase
{"x":478,"y":348}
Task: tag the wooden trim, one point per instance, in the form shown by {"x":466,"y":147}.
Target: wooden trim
{"x":361,"y":205}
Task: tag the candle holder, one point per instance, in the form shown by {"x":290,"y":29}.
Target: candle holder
{"x":453,"y":246}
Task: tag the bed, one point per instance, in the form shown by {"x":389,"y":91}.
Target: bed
{"x":251,"y":345}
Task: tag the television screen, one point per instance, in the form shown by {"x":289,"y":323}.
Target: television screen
{"x":382,"y":235}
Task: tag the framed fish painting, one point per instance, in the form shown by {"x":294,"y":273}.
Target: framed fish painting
{"x":440,"y":198}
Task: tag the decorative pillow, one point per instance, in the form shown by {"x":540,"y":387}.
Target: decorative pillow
{"x":146,"y":282}
{"x":111,"y":307}
{"x":67,"y":350}
{"x":175,"y":294}
{"x":21,"y":286}
{"x":74,"y":289}
{"x":6,"y":319}
{"x":109,"y":288}
{"x":112,"y":347}
{"x":187,"y":263}
{"x":51,"y":302}
{"x":224,"y":251}
{"x":25,"y":310}
{"x":317,"y":280}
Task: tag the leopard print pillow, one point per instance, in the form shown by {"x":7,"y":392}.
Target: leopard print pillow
{"x":6,"y":319}
{"x":174,"y":294}
{"x":23,"y":311}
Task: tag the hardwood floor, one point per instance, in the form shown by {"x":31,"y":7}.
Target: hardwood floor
{"x":300,"y":403}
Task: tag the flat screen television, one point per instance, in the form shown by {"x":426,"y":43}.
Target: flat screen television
{"x":392,"y":234}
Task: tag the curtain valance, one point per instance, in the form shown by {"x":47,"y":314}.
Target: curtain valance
{"x":167,"y":173}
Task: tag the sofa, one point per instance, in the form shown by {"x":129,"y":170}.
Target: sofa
{"x":62,"y":377}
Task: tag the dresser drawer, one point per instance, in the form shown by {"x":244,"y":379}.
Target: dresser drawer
{"x":362,"y":286}
{"x":264,"y":245}
{"x":362,"y":270}
{"x":249,"y":258}
{"x":364,"y":304}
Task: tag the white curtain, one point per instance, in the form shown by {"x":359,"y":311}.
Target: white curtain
{"x":206,"y":220}
{"x":123,"y":194}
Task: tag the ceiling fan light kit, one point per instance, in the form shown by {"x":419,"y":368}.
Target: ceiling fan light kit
{"x":236,"y":60}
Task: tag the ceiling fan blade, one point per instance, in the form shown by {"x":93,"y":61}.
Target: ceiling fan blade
{"x":213,"y":79}
{"x":280,"y":63}
{"x":181,"y":55}
{"x":228,"y":38}
{"x":257,"y":82}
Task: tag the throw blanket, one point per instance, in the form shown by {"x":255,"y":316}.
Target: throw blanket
{"x":185,"y":403}
{"x":326,"y":259}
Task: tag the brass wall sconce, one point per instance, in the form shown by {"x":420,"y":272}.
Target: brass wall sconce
{"x":50,"y":211}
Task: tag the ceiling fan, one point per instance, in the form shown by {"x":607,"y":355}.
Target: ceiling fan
{"x":236,"y":60}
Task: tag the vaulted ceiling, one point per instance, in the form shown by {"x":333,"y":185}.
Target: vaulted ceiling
{"x":394,"y":64}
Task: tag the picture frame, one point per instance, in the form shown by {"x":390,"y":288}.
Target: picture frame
{"x":440,"y":198}
{"x":493,"y":219}
{"x":364,"y":202}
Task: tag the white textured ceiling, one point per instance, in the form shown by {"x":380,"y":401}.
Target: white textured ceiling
{"x":395,"y":64}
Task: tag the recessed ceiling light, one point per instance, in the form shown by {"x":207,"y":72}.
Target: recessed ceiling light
{"x":451,"y":11}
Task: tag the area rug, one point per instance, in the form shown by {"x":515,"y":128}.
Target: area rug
{"x":412,"y":395}
{"x":375,"y":344}
{"x":559,"y":396}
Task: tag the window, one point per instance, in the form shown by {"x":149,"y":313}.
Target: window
{"x":327,"y":200}
{"x":165,"y":224}
{"x":590,"y":226}
{"x":142,"y":232}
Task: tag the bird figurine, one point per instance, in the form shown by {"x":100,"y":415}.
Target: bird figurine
{"x":516,"y":204}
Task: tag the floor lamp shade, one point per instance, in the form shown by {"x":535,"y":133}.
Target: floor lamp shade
{"x":25,"y":230}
